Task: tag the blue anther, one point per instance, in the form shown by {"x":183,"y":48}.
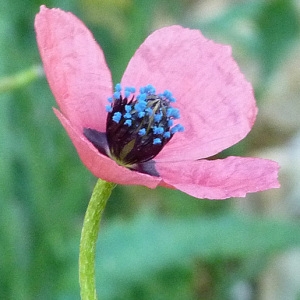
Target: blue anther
{"x":173,"y":112}
{"x":128,"y":108}
{"x":140,"y":106}
{"x":180,"y":128}
{"x":118,"y":87}
{"x":174,"y":130}
{"x":172,"y":99}
{"x":149,"y":111}
{"x":117,"y":117}
{"x":130,"y":89}
{"x":142,"y":97}
{"x":177,"y":128}
{"x":128,"y":123}
{"x":150,"y":89}
{"x":158,"y":117}
{"x":169,"y":112}
{"x":127,"y":94}
{"x":156,"y":141}
{"x":117,"y":95}
{"x":141,"y":114}
{"x":158,"y":130}
{"x":167,"y":135}
{"x":127,"y":116}
{"x":167,"y":94}
{"x":110,"y":99}
{"x":108,"y":108}
{"x":142,"y":90}
{"x":170,"y":123}
{"x":142,"y":131}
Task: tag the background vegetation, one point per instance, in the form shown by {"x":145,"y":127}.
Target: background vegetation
{"x":155,"y":244}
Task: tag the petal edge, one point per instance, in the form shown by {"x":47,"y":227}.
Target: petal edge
{"x":221,"y":178}
{"x":75,"y":67}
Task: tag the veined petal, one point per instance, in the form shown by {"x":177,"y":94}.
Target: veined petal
{"x":216,"y":103}
{"x":221,"y":178}
{"x":75,"y":67}
{"x":100,"y":165}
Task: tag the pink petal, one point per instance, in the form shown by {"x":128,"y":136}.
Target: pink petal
{"x":75,"y":67}
{"x":100,"y":165}
{"x":216,"y":103}
{"x":222,"y":178}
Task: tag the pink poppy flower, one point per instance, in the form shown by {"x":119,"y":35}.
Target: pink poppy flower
{"x":138,"y":134}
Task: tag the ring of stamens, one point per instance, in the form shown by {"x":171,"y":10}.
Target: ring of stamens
{"x":139,"y":127}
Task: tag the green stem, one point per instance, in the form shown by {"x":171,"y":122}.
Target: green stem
{"x":88,"y":239}
{"x":20,"y":79}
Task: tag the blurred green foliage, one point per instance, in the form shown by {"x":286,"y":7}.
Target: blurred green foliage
{"x":155,"y":244}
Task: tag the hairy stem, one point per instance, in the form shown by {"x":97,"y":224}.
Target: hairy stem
{"x":89,"y":235}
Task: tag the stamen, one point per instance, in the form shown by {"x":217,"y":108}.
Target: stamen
{"x":127,"y":116}
{"x":118,"y":87}
{"x":117,"y":95}
{"x":156,"y":141}
{"x":142,"y":131}
{"x":149,"y":111}
{"x":177,"y":128}
{"x":128,"y":110}
{"x":158,"y":117}
{"x":167,"y":94}
{"x":128,"y":123}
{"x":137,"y":129}
{"x":140,"y":106}
{"x":158,"y":130}
{"x":108,"y":108}
{"x":141,"y":97}
{"x":167,"y":135}
{"x":173,"y":112}
{"x":117,"y":117}
{"x":141,"y":114}
{"x":128,"y":91}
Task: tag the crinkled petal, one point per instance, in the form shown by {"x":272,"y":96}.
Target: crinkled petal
{"x":75,"y":67}
{"x":222,"y":178}
{"x":102,"y":166}
{"x":216,"y":103}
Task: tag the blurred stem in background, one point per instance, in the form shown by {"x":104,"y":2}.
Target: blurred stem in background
{"x":20,"y":79}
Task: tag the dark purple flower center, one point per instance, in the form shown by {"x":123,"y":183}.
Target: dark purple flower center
{"x":137,"y":128}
